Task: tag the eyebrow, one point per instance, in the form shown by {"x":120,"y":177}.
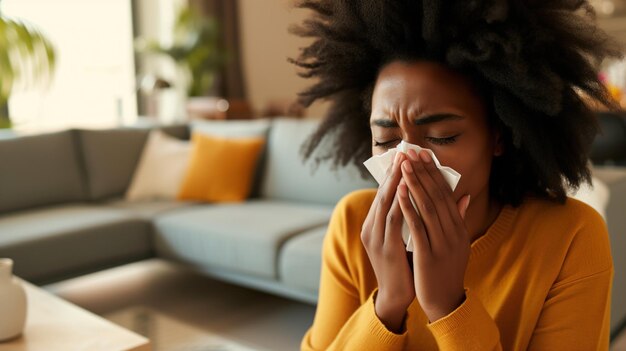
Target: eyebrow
{"x":390,"y":123}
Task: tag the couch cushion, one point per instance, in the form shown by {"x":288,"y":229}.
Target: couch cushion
{"x":110,"y":157}
{"x":238,"y":129}
{"x":220,"y":169}
{"x":243,"y":237}
{"x":146,"y":209}
{"x":161,"y":168}
{"x":301,"y":260}
{"x":286,"y":177}
{"x":39,"y":170}
{"x":70,"y":239}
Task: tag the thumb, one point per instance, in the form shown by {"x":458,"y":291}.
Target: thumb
{"x":463,"y":204}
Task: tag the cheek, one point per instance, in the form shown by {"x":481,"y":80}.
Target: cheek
{"x":474,"y":176}
{"x":473,"y":161}
{"x":377,"y":151}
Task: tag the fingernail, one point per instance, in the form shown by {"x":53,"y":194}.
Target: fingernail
{"x":413,"y":155}
{"x":425,"y":156}
{"x":469,"y":197}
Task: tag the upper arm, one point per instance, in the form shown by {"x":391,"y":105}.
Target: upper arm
{"x":339,"y":295}
{"x":576,"y":311}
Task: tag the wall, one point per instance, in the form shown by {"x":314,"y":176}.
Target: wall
{"x":266,"y":45}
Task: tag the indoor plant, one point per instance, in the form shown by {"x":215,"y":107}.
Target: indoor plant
{"x":26,"y":58}
{"x":195,"y":50}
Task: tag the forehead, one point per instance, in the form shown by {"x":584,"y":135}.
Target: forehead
{"x":421,"y":86}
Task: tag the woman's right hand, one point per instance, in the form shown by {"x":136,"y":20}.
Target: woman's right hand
{"x":382,"y":237}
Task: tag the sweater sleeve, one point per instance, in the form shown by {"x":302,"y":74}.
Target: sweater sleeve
{"x":576,"y":312}
{"x":469,"y":327}
{"x":342,"y":321}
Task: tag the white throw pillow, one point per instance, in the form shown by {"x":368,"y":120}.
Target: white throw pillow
{"x":161,"y":168}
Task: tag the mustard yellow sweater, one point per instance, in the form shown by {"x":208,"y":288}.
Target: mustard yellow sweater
{"x":539,"y":279}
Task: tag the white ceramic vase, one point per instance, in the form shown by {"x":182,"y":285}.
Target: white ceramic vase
{"x":12,"y":302}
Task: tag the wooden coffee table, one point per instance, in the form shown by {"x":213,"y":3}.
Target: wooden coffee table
{"x":55,"y":324}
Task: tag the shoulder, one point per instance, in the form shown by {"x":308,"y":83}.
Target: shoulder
{"x":573,"y":231}
{"x":354,"y":206}
{"x":351,"y":211}
{"x":571,"y":216}
{"x":358,"y":200}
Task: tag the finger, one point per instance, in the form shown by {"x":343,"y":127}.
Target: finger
{"x":444,"y":193}
{"x":421,"y":244}
{"x":393,"y":243}
{"x":425,"y":205}
{"x":385,"y":200}
{"x":463,"y":204}
{"x":369,"y":219}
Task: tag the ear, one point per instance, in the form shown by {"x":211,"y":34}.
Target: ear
{"x":498,"y":148}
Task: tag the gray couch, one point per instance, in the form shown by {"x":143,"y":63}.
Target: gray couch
{"x":62,"y":211}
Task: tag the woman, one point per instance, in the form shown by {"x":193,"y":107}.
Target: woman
{"x":495,"y":89}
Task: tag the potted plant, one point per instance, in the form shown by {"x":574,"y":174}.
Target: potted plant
{"x":26,"y":58}
{"x":195,"y":50}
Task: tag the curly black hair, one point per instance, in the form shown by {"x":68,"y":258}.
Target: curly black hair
{"x":533,"y":61}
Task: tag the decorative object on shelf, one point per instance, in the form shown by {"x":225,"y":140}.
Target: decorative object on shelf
{"x":12,"y":303}
{"x":206,"y":107}
{"x":26,"y":58}
{"x":613,"y":75}
{"x":157,"y":91}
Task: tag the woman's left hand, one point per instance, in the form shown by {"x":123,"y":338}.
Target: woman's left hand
{"x":441,"y":243}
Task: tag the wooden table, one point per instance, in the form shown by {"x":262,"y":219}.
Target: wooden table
{"x":55,"y":324}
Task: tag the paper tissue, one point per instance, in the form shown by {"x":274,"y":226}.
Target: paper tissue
{"x":378,"y":165}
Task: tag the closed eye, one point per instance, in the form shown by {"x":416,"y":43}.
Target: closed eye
{"x":386,"y":144}
{"x":442,"y":141}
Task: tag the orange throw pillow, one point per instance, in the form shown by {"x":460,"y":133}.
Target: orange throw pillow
{"x":220,"y":169}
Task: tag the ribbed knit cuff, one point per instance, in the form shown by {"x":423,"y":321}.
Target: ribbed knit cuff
{"x":378,"y":329}
{"x":469,"y":327}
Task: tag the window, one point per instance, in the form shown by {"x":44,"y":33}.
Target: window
{"x":94,"y":83}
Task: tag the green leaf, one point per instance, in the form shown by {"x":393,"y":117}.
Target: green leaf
{"x":23,"y":46}
{"x":7,"y":75}
{"x":195,"y":49}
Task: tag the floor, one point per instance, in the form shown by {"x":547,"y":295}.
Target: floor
{"x":181,"y":310}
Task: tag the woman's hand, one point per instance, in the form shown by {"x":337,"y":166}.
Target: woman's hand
{"x":382,"y":238}
{"x":441,"y":244}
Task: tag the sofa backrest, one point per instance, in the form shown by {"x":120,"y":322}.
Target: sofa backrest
{"x":40,"y":170}
{"x":287,"y":177}
{"x":111,"y":155}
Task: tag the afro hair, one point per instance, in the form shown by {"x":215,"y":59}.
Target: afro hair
{"x":533,"y":61}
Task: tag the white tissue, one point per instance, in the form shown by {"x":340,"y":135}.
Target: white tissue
{"x":377,"y":165}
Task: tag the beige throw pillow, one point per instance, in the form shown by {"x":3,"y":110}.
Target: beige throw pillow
{"x":161,"y":168}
